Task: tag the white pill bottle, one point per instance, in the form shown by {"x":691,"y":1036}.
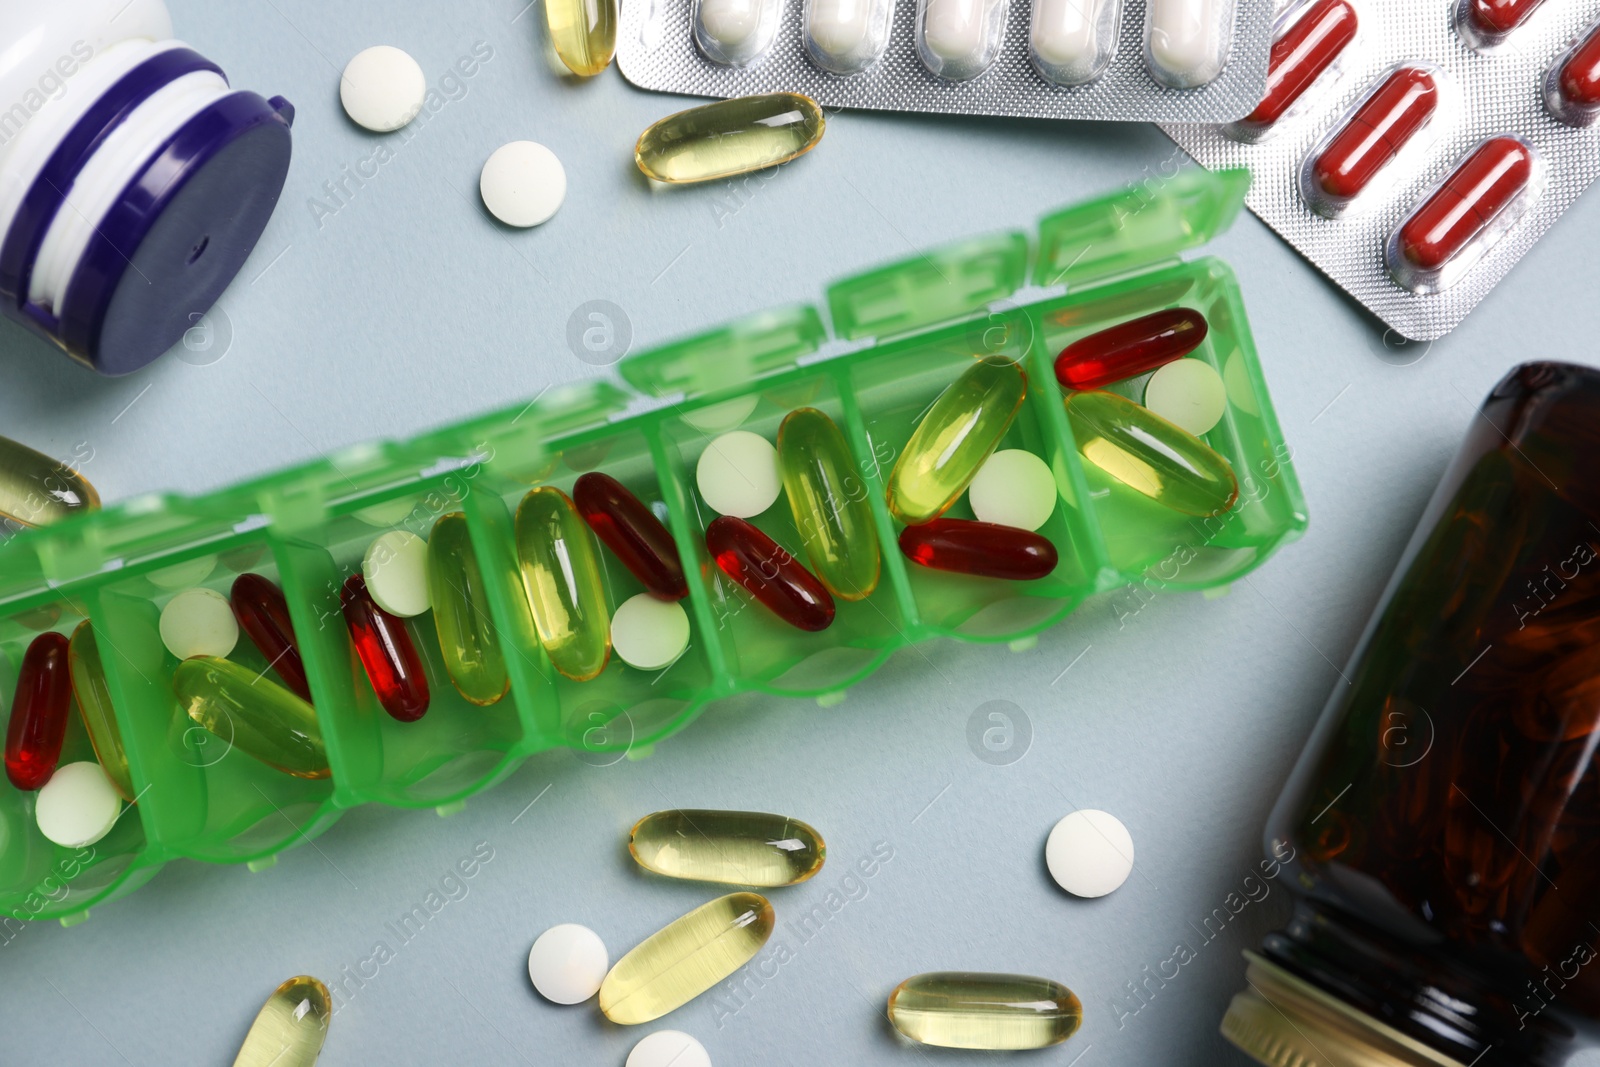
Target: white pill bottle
{"x":133,"y":181}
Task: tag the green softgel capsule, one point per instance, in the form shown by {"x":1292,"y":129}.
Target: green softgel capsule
{"x":829,"y":501}
{"x":94,"y":705}
{"x":729,"y":137}
{"x":467,"y":638}
{"x":736,"y":847}
{"x":953,"y":439}
{"x":957,"y":1009}
{"x":290,"y":1028}
{"x":562,"y":577}
{"x":1150,"y":455}
{"x":253,"y":714}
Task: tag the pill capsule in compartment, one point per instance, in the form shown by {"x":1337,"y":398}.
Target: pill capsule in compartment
{"x":1381,"y":125}
{"x":846,"y":36}
{"x":1460,"y":219}
{"x":468,"y":641}
{"x":583,"y":33}
{"x":39,"y":712}
{"x":1486,"y":23}
{"x":252,"y":714}
{"x":633,"y":534}
{"x":829,"y":500}
{"x":735,"y":33}
{"x":686,"y":957}
{"x":565,"y":586}
{"x":737,"y":847}
{"x":986,"y":549}
{"x":263,"y":614}
{"x":955,"y":1009}
{"x":1130,"y":348}
{"x":729,"y":137}
{"x":387,"y":653}
{"x":1572,"y":88}
{"x":768,"y":572}
{"x":1306,"y":48}
{"x":93,"y":694}
{"x":1071,"y":42}
{"x":959,"y":39}
{"x":1187,"y":41}
{"x":1149,"y":455}
{"x":36,"y":490}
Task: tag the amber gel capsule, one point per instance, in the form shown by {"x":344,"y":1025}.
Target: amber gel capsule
{"x":39,"y":712}
{"x":290,"y":1028}
{"x":953,"y":439}
{"x":736,"y":847}
{"x":769,"y":573}
{"x":263,"y":614}
{"x":686,"y":957}
{"x":467,"y":638}
{"x":561,"y":573}
{"x":729,"y":137}
{"x":584,"y":33}
{"x":94,"y":705}
{"x":253,"y":714}
{"x":633,"y":534}
{"x":1150,"y":455}
{"x":956,"y":1009}
{"x":829,"y":501}
{"x":36,"y":490}
{"x":1130,"y":348}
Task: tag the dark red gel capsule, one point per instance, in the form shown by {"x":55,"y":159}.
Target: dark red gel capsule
{"x":263,"y":615}
{"x":1485,"y":183}
{"x":1381,"y":126}
{"x":770,"y":573}
{"x":1576,"y":84}
{"x":1300,"y":55}
{"x":634,"y":535}
{"x":386,"y":651}
{"x":39,"y":712}
{"x":983,"y":548}
{"x":1130,"y":348}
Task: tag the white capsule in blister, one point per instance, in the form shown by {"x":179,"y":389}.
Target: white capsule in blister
{"x":735,"y":33}
{"x":846,"y":36}
{"x":1186,"y":41}
{"x":1073,"y":41}
{"x":959,"y":39}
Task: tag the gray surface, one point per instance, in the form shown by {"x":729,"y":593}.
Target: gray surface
{"x":409,"y":308}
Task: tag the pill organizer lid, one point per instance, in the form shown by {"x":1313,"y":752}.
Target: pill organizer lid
{"x":729,"y":357}
{"x":942,"y":286}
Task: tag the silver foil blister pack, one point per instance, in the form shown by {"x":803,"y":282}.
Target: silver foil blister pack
{"x":1117,"y":75}
{"x":1494,"y":90}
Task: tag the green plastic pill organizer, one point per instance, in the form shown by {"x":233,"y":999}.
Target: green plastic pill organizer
{"x":900,"y":335}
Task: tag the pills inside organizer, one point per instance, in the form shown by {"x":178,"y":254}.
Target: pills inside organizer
{"x":199,"y":622}
{"x":1089,"y":853}
{"x":523,"y":183}
{"x":718,"y":418}
{"x":567,"y":963}
{"x":382,"y":88}
{"x":649,"y":633}
{"x":183,"y":575}
{"x":1189,"y":394}
{"x":669,"y":1048}
{"x":738,"y":474}
{"x":78,"y":805}
{"x":1014,"y":487}
{"x":396,"y":569}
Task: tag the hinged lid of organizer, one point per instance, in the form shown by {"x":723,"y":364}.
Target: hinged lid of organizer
{"x":939,"y":286}
{"x":730,"y":356}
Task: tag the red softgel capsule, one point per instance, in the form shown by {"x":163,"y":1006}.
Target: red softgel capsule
{"x":1400,"y":106}
{"x":1576,"y":83}
{"x":1304,"y":50}
{"x":633,"y":534}
{"x":39,"y":712}
{"x":1480,"y":188}
{"x":769,"y":573}
{"x":386,"y":651}
{"x":263,"y":615}
{"x":1130,"y":348}
{"x":1490,"y":21}
{"x":983,"y":548}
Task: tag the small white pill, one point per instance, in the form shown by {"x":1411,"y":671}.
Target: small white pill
{"x":1089,"y":853}
{"x":396,"y":570}
{"x":738,"y":474}
{"x":649,"y":633}
{"x":669,"y":1048}
{"x":956,"y":30}
{"x":523,"y":183}
{"x":730,"y":24}
{"x":1187,"y":48}
{"x":717,"y":418}
{"x":1066,"y":33}
{"x":183,"y":575}
{"x":1189,"y":394}
{"x":78,"y":805}
{"x":840,"y":28}
{"x":198,"y":622}
{"x":382,"y":88}
{"x":568,"y":963}
{"x":1014,"y":487}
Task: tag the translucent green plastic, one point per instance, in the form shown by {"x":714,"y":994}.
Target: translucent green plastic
{"x":307,"y":528}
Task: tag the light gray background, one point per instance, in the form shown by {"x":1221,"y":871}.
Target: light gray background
{"x":409,"y":308}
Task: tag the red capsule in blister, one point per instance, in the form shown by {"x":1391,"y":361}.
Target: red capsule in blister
{"x":1375,"y":134}
{"x":1306,"y":49}
{"x":387,"y":653}
{"x":1573,"y":91}
{"x":1487,"y":22}
{"x":1130,"y":348}
{"x":39,"y":712}
{"x":769,"y":573}
{"x":1491,"y":177}
{"x":633,"y":534}
{"x":263,"y":615}
{"x":982,"y":548}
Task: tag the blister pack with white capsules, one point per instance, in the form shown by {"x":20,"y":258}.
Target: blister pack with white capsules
{"x":1148,"y":60}
{"x":1414,"y":150}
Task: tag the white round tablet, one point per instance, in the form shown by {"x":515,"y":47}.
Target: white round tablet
{"x":523,"y":183}
{"x":738,"y":474}
{"x":1014,"y":487}
{"x":568,"y":963}
{"x":669,"y":1048}
{"x":1089,"y":853}
{"x":1187,"y":393}
{"x":396,"y":570}
{"x":198,"y":622}
{"x":649,"y":633}
{"x":183,"y":575}
{"x":717,"y":418}
{"x":382,"y":88}
{"x":78,"y":805}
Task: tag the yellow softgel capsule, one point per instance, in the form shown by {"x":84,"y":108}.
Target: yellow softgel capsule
{"x":467,"y":638}
{"x":736,"y":847}
{"x":253,"y":714}
{"x":953,"y":439}
{"x":686,"y":957}
{"x":1150,"y":455}
{"x":958,"y":1009}
{"x":828,"y":497}
{"x":290,"y":1028}
{"x":562,"y":576}
{"x":729,"y":137}
{"x":36,"y":490}
{"x":584,"y":33}
{"x":93,"y":694}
